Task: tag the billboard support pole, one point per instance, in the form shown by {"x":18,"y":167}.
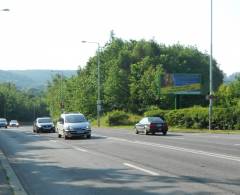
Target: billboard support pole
{"x":177,"y":97}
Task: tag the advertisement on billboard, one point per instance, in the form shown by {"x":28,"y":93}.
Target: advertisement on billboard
{"x":180,"y":83}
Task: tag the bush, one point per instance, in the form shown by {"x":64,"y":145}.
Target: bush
{"x":156,"y":112}
{"x":118,"y":117}
{"x":197,"y":118}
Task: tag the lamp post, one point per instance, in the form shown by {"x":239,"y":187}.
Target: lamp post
{"x":5,"y":10}
{"x":5,"y":106}
{"x":98,"y":81}
{"x":61,"y":89}
{"x":210,"y":73}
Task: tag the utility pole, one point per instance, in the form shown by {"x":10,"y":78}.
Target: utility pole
{"x":210,"y":73}
{"x":99,"y":106}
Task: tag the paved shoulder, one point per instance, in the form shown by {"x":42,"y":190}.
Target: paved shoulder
{"x":9,"y":183}
{"x":5,"y":188}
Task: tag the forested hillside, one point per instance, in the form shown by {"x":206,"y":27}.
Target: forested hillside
{"x":20,"y":105}
{"x":27,"y":79}
{"x":129,"y":72}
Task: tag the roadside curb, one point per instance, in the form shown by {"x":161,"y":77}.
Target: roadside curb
{"x":13,"y":179}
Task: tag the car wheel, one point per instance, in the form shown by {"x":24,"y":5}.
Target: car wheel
{"x":164,"y":132}
{"x":65,"y":136}
{"x":136,"y":131}
{"x":146,"y":132}
{"x":89,"y":136}
{"x":59,"y":135}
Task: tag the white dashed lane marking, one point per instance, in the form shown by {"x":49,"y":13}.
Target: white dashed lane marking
{"x":141,"y":169}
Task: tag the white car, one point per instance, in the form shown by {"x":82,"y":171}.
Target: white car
{"x":73,"y":125}
{"x":13,"y":123}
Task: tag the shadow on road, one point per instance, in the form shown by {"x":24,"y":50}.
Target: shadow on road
{"x":40,"y":176}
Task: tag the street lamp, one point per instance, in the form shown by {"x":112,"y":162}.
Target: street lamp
{"x":61,"y":89}
{"x":210,"y":73}
{"x":5,"y":10}
{"x":5,"y":106}
{"x":98,"y":82}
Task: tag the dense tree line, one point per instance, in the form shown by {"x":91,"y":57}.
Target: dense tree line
{"x":129,"y":78}
{"x":21,"y":105}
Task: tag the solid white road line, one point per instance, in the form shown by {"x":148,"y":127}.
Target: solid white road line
{"x":199,"y":152}
{"x":236,"y":144}
{"x":141,"y":169}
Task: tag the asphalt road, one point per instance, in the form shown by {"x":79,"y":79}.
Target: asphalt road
{"x":117,"y":162}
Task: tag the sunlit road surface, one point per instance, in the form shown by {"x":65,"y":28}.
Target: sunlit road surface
{"x":120,"y":162}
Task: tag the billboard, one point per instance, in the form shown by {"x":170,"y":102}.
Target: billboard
{"x":180,"y":83}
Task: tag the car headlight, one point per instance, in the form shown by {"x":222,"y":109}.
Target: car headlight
{"x":39,"y":126}
{"x":69,"y":128}
{"x":88,"y":127}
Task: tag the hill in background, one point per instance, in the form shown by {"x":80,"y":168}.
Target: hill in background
{"x":27,"y":79}
{"x":231,"y":77}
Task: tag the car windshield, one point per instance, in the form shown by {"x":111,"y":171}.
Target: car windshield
{"x":44,"y":120}
{"x":3,"y":120}
{"x":75,"y":119}
{"x":13,"y":121}
{"x":155,"y":120}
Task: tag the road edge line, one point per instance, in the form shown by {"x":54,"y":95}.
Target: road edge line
{"x":14,"y":182}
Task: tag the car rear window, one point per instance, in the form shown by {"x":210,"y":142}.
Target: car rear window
{"x":155,"y":120}
{"x":3,"y":120}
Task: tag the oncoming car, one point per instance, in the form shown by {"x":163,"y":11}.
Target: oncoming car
{"x":13,"y":123}
{"x":43,"y":124}
{"x":151,"y":125}
{"x":73,"y":125}
{"x":3,"y":122}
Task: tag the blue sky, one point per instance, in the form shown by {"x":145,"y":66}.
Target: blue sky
{"x":47,"y":34}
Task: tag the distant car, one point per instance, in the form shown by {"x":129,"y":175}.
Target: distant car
{"x":43,"y":124}
{"x":73,"y":125}
{"x":151,"y":125}
{"x":3,"y":122}
{"x":13,"y":123}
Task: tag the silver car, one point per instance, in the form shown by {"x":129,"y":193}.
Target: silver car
{"x":73,"y":125}
{"x":3,"y":122}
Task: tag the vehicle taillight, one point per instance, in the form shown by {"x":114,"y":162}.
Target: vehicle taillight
{"x":152,"y":126}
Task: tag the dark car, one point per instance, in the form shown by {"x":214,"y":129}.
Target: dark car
{"x":43,"y":124}
{"x":3,"y":122}
{"x":151,"y":125}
